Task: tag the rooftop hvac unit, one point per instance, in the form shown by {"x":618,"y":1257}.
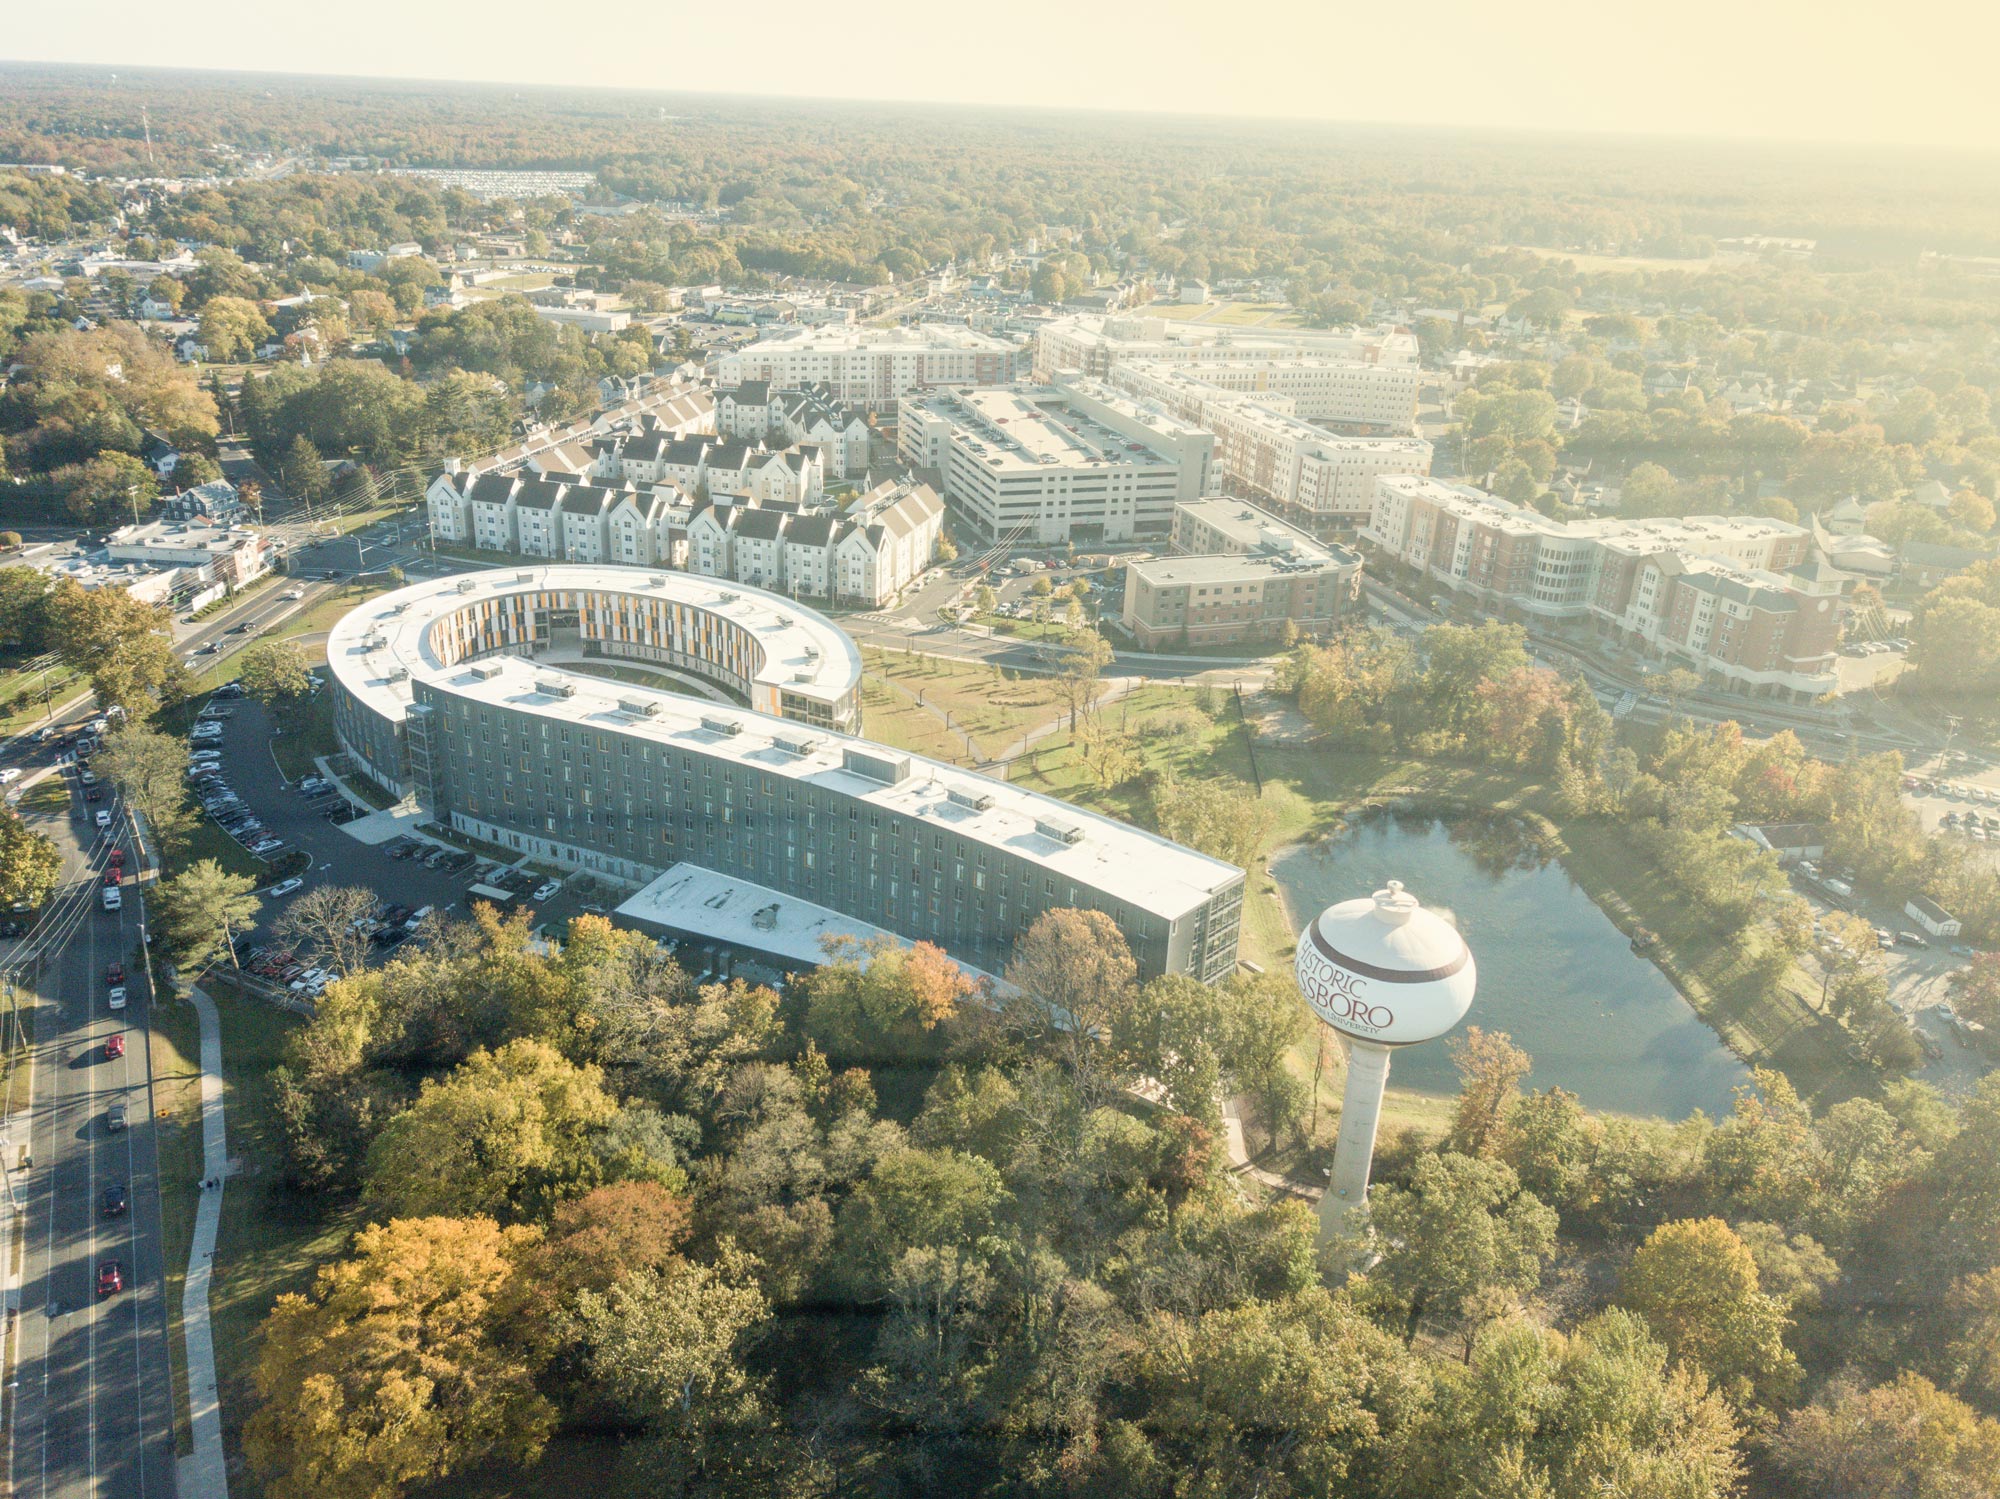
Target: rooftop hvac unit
{"x":555,"y":686}
{"x":1062,"y":832}
{"x":795,"y":744}
{"x":886,"y":768}
{"x":400,"y":674}
{"x":639,"y":707}
{"x":728,"y":726}
{"x":395,"y":609}
{"x":812,"y":653}
{"x":466,"y":585}
{"x":978,"y":801}
{"x":728,"y":598}
{"x":518,"y":578}
{"x":486,"y":671}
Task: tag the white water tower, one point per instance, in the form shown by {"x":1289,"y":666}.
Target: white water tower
{"x":1384,"y":973}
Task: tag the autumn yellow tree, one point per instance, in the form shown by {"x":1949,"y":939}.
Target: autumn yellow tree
{"x":389,"y":1375}
{"x":1696,"y":1284}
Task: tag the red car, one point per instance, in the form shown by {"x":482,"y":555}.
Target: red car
{"x":110,"y":1278}
{"x":114,"y":973}
{"x":112,"y":876}
{"x":114,"y":1046}
{"x":117,"y":858}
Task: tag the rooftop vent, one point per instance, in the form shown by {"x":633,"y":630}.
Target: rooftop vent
{"x":888,"y":769}
{"x":486,"y":671}
{"x":518,"y":578}
{"x":978,"y":801}
{"x":728,"y":597}
{"x":639,"y":707}
{"x":555,"y":686}
{"x":1062,"y":832}
{"x":400,"y":674}
{"x":466,"y":585}
{"x":726,"y":726}
{"x":795,"y":744}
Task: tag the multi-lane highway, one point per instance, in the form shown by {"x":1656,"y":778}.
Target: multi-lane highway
{"x":92,"y":1412}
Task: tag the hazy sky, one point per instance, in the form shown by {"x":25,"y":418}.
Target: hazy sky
{"x":1911,"y":71}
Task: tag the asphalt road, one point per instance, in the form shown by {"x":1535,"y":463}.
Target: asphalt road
{"x":94,"y":1410}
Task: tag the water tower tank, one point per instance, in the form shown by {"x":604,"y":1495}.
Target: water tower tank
{"x":1383,"y":969}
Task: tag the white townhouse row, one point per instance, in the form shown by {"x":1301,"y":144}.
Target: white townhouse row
{"x":875,"y":367}
{"x":864,"y":555}
{"x":756,"y":410}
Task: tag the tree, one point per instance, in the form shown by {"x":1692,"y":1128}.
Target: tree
{"x":198,"y":913}
{"x":1907,"y":1437}
{"x":1490,"y":1068}
{"x":1537,"y":1414}
{"x":303,"y":470}
{"x":233,"y":329}
{"x":391,"y":1374}
{"x":1079,"y":667}
{"x":150,"y":771}
{"x":916,"y":1199}
{"x":510,"y":1132}
{"x":1650,"y":490}
{"x":1460,"y":1240}
{"x":1223,"y":818}
{"x":1073,"y":976}
{"x":325,"y":925}
{"x":666,"y":1344}
{"x":881,"y":998}
{"x":30,"y":862}
{"x":1696,"y":1284}
{"x":24,"y":606}
{"x":1973,"y":1305}
{"x":108,"y":490}
{"x":123,"y":644}
{"x":1274,"y":1398}
{"x":274,"y":672}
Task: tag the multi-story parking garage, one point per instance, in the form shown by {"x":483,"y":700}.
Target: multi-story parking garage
{"x":471,"y":694}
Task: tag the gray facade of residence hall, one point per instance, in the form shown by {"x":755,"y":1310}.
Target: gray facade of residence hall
{"x":630,"y":806}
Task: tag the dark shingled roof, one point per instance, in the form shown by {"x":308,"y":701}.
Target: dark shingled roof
{"x":492,"y":489}
{"x":538,"y":494}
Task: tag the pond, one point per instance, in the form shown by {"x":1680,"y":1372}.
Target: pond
{"x":1554,"y":972}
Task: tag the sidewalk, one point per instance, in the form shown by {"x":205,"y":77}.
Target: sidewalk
{"x":203,"y":1473}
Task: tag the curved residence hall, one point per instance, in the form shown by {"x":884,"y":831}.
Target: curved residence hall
{"x":463,"y":692}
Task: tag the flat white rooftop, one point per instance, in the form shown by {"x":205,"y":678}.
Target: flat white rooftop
{"x":714,"y":907}
{"x":1144,"y":870}
{"x":381,"y":647}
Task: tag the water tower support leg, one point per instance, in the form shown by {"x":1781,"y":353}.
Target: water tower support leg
{"x":1360,"y":1113}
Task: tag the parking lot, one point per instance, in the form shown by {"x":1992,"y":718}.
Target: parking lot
{"x":250,"y":767}
{"x":1958,"y":798}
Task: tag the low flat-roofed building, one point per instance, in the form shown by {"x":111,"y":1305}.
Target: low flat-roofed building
{"x":1237,"y":573}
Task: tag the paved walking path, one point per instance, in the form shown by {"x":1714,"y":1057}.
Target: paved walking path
{"x":203,"y":1473}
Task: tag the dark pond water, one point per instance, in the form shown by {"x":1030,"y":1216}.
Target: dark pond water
{"x":1554,"y":973}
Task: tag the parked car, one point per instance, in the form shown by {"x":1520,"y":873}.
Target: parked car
{"x":1912,"y":939}
{"x":286,"y":887}
{"x":104,"y":819}
{"x":546,"y":890}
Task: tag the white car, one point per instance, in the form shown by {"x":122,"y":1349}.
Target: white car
{"x":285,"y":888}
{"x":546,"y":891}
{"x":293,"y":593}
{"x":104,"y":819}
{"x":10,"y":775}
{"x":117,"y":997}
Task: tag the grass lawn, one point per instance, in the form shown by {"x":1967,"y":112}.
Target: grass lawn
{"x":308,"y":732}
{"x":176,"y":1048}
{"x":1613,"y":264}
{"x":986,"y":703}
{"x":267,"y":1244}
{"x":50,"y":794}
{"x":891,"y":716}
